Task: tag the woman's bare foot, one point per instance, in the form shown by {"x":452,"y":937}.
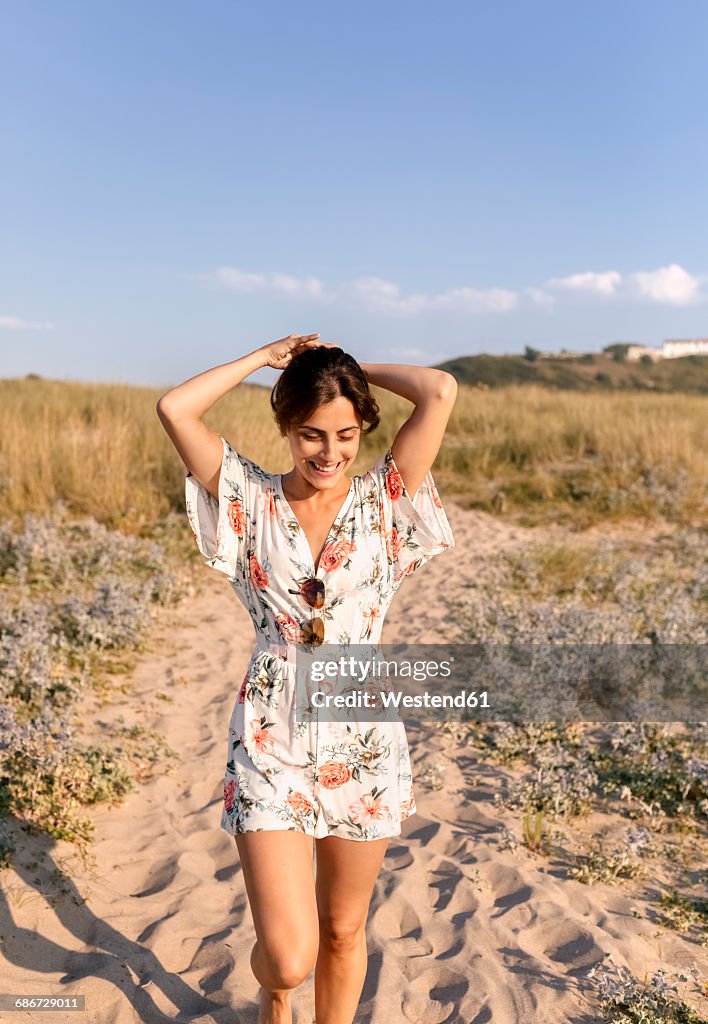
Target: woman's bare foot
{"x":275,"y":1009}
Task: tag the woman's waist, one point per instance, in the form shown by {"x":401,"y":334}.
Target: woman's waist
{"x":281,"y":649}
{"x":297,"y":653}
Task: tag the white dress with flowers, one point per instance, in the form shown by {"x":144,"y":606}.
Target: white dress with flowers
{"x":321,"y":778}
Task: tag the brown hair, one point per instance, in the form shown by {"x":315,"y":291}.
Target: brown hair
{"x":316,"y":376}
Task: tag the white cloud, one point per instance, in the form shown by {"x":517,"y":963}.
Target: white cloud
{"x":372,"y":293}
{"x":16,"y":323}
{"x":541,"y":298}
{"x":473,"y":300}
{"x":603,"y":284}
{"x":382,"y":296}
{"x":284,"y":284}
{"x":379,"y":295}
{"x":671,"y":285}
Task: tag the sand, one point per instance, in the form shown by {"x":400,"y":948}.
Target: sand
{"x":155,"y":925}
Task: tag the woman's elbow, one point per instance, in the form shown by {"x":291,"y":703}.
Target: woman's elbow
{"x":166,"y":408}
{"x":161,"y":405}
{"x":447,"y":387}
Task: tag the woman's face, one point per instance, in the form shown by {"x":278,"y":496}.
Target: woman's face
{"x":329,"y":438}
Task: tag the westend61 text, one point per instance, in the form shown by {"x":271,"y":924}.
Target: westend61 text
{"x":396,"y":698}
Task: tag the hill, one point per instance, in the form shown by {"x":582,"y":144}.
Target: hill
{"x":592,"y":371}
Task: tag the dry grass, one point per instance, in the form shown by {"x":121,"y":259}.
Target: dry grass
{"x":523,"y":452}
{"x":565,"y":456}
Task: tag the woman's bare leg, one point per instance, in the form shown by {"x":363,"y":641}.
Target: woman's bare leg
{"x":277,"y":871}
{"x":346,"y":872}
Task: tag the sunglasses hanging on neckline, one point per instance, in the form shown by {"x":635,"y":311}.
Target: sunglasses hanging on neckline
{"x":312,"y":591}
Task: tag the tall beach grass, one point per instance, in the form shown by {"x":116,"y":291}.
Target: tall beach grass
{"x":526,"y":452}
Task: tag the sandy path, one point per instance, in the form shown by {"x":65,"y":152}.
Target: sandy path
{"x":157,"y":928}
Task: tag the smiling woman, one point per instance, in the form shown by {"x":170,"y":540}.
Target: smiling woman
{"x":315,"y":556}
{"x":317,"y":377}
{"x":323,"y":449}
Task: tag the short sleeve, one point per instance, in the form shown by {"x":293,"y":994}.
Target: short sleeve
{"x":222,"y":527}
{"x":413,"y":530}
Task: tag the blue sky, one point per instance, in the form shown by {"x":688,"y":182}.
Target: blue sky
{"x":182,"y":183}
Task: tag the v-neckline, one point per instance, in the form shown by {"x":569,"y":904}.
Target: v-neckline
{"x":343,"y":508}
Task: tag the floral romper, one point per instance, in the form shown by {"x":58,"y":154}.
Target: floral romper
{"x":320,"y":778}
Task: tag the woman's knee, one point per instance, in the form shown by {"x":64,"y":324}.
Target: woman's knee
{"x":341,"y":935}
{"x":287,"y":966}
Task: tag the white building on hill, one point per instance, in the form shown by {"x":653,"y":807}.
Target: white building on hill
{"x":676,"y":347}
{"x":673,"y":348}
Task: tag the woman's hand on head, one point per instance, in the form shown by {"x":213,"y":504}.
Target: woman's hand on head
{"x":280,"y":353}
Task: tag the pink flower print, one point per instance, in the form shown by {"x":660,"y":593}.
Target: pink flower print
{"x":371,"y":612}
{"x":289,"y":628}
{"x":236,"y":517}
{"x":335,"y":554}
{"x":436,"y":496}
{"x":268,"y":507}
{"x":407,"y":808}
{"x":229,"y":794}
{"x":375,"y":699}
{"x":333,"y":774}
{"x":394,"y":542}
{"x":411,"y":567}
{"x":258,"y":573}
{"x":367,"y":808}
{"x":242,"y":691}
{"x":299,"y":803}
{"x":262,"y":741}
{"x":394,"y":483}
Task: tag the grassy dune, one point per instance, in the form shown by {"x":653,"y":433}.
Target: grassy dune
{"x":525,"y":452}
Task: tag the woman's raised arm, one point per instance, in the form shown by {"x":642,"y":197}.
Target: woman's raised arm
{"x":433,"y":392}
{"x":181,"y":408}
